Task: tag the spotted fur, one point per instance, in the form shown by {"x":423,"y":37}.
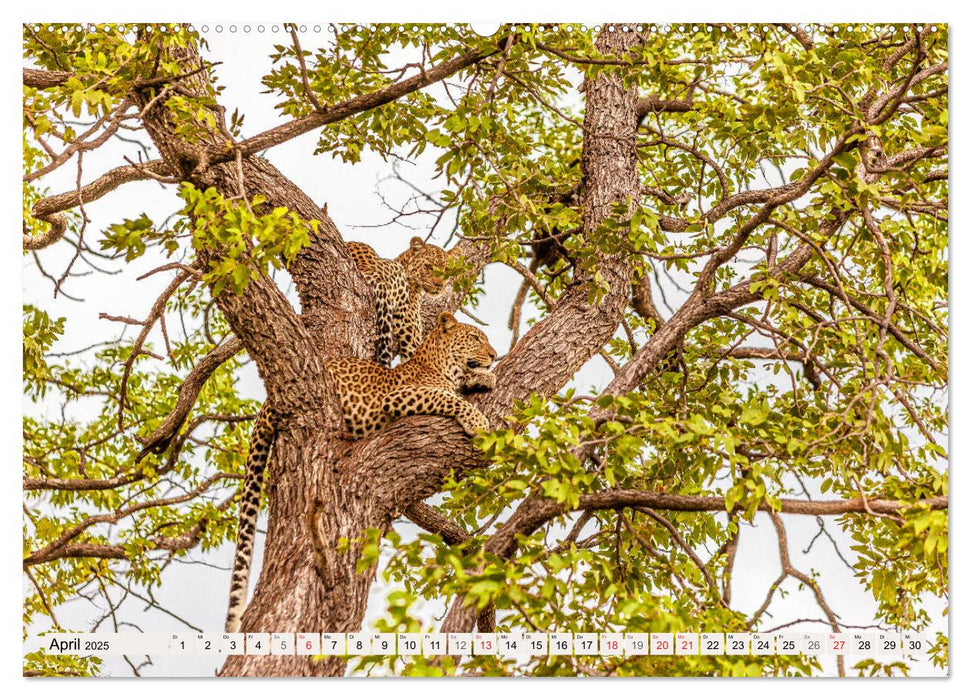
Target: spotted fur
{"x":249,"y":509}
{"x":398,"y":286}
{"x":454,"y":357}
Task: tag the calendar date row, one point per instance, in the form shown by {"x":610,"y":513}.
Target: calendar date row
{"x":509,"y":644}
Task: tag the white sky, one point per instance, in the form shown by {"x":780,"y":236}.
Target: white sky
{"x":349,"y":192}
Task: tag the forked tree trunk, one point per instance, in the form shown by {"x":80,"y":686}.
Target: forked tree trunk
{"x":305,"y":467}
{"x":325,"y":493}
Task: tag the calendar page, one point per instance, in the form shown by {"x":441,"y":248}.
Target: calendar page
{"x":514,"y":349}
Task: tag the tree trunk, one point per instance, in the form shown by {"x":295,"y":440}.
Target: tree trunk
{"x":323,"y":491}
{"x":304,"y":475}
{"x":559,"y":345}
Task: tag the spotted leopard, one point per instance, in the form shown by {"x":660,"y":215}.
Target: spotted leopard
{"x":454,"y":357}
{"x":398,"y":288}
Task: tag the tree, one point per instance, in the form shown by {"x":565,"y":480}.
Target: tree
{"x":747,"y":225}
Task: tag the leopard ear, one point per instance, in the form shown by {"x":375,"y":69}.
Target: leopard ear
{"x":446,"y":321}
{"x":417,"y":242}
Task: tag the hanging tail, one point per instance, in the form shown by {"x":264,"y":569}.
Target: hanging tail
{"x":249,"y":509}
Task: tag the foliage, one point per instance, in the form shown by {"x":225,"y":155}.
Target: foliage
{"x":852,"y":405}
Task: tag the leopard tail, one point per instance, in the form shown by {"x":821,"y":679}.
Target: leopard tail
{"x":261,"y":441}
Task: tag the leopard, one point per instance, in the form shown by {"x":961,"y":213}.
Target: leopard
{"x":454,"y":358}
{"x":399,"y":286}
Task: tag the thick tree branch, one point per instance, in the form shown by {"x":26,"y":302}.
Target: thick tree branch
{"x":42,"y":79}
{"x":653,"y":104}
{"x":49,"y":209}
{"x":905,"y":48}
{"x":159,"y":440}
{"x":799,"y":34}
{"x":885,"y":106}
{"x":335,"y":113}
{"x":286,"y":354}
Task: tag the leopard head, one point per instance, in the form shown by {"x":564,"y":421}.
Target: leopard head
{"x":459,"y":348}
{"x":424,"y":264}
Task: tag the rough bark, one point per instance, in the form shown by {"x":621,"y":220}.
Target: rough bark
{"x":321,"y":490}
{"x":305,"y":474}
{"x":40,"y":79}
{"x":324,"y":493}
{"x":560,"y":344}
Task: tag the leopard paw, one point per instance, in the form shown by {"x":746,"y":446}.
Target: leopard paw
{"x":473,"y":422}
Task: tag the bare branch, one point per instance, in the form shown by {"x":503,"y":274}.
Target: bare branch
{"x":80,"y":144}
{"x":158,"y":309}
{"x":676,"y":536}
{"x":56,"y":548}
{"x":298,"y":50}
{"x":892,"y":328}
